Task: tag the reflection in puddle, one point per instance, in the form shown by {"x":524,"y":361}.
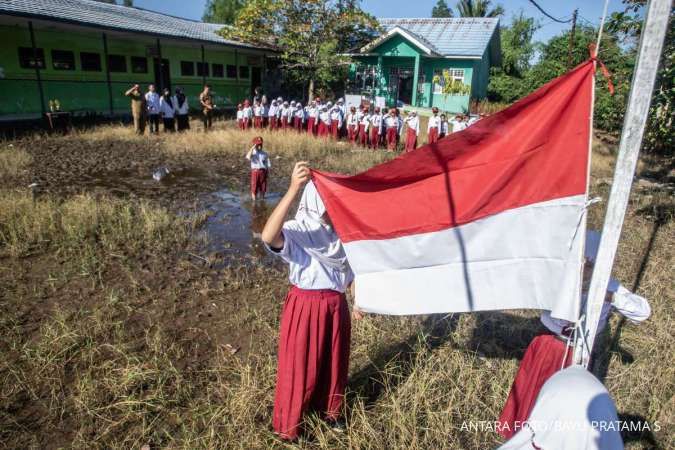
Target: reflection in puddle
{"x":233,"y":224}
{"x":140,"y":182}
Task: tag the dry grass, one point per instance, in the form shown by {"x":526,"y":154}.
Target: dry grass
{"x":13,"y":162}
{"x":108,"y":365}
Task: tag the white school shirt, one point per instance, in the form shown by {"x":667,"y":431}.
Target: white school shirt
{"x":336,"y":114}
{"x":260,"y":160}
{"x":632,"y":306}
{"x":272,"y":111}
{"x":182,"y":110}
{"x":352,"y":120}
{"x":325,"y":117}
{"x":304,"y":271}
{"x":300,"y":113}
{"x":247,"y":112}
{"x":240,"y":114}
{"x":258,"y":111}
{"x":445,"y":126}
{"x":166,"y":109}
{"x":152,"y":102}
{"x":365,"y":121}
{"x":458,"y":125}
{"x":391,"y":122}
{"x":376,"y":121}
{"x":434,"y":122}
{"x":414,"y":124}
{"x":359,"y":115}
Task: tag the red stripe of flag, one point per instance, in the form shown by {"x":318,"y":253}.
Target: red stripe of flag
{"x":533,"y":151}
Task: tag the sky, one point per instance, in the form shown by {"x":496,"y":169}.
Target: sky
{"x":589,"y":10}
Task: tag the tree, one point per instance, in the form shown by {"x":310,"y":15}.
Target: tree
{"x":627,"y":24}
{"x":311,"y":35}
{"x":441,"y":10}
{"x":478,"y":8}
{"x":222,"y":11}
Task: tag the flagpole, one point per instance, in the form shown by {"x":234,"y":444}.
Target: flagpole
{"x":649,"y":55}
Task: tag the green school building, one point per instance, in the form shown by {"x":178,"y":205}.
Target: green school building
{"x":86,"y":54}
{"x":405,"y":66}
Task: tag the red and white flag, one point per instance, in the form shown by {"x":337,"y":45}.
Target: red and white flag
{"x":485,"y":219}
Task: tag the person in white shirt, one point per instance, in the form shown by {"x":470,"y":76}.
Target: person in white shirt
{"x":391,"y":126}
{"x":257,"y":115}
{"x":364,"y":126}
{"x":573,"y":411}
{"x":152,"y":105}
{"x":283,"y":115}
{"x":352,"y":125}
{"x":182,"y":111}
{"x":312,"y":117}
{"x":343,"y":112}
{"x":335,"y":121}
{"x":260,"y":166}
{"x":433,"y":127}
{"x":167,"y":109}
{"x":548,"y":352}
{"x":272,"y":115}
{"x":458,"y":124}
{"x":298,"y":117}
{"x":240,"y":116}
{"x":376,"y":122}
{"x":247,"y":112}
{"x":412,"y":131}
{"x":324,"y":123}
{"x":315,"y":329}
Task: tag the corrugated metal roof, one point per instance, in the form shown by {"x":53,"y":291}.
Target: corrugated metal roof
{"x":468,"y":36}
{"x":116,"y":17}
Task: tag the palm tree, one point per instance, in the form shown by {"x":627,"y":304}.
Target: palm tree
{"x":478,"y":8}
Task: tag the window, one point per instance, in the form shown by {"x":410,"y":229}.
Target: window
{"x":63,"y":60}
{"x":29,"y":61}
{"x":456,"y":75}
{"x":231,"y":71}
{"x":217,"y":70}
{"x":139,"y":64}
{"x":203,"y":69}
{"x":117,"y":63}
{"x":187,"y":68}
{"x":243,"y":71}
{"x":90,"y":62}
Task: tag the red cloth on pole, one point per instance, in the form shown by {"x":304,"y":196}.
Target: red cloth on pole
{"x":258,"y":181}
{"x":313,"y":358}
{"x":410,"y":140}
{"x":374,"y":138}
{"x":310,"y":125}
{"x":363,"y":135}
{"x":542,"y":359}
{"x":392,"y":138}
{"x":433,"y":136}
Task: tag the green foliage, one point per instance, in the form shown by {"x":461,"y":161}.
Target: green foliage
{"x":441,"y":10}
{"x":450,"y":86}
{"x":222,"y":11}
{"x":627,"y":24}
{"x":311,"y":35}
{"x":478,"y":8}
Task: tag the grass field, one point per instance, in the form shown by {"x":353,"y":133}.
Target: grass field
{"x":118,"y":330}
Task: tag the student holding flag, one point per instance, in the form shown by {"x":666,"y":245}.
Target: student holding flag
{"x":313,"y":356}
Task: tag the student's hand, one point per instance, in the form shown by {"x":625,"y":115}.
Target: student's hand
{"x":300,"y":175}
{"x":357,"y":314}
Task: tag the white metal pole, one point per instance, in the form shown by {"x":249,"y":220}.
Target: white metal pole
{"x":649,"y":54}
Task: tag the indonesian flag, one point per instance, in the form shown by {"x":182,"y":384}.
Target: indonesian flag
{"x":485,"y":219}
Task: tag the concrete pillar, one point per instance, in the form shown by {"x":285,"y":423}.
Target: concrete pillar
{"x":415,"y":79}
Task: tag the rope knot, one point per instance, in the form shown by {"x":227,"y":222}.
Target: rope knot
{"x":605,"y":73}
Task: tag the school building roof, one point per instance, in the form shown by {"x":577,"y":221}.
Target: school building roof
{"x":467,"y":37}
{"x":117,"y":17}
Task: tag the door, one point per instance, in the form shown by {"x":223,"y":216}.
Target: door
{"x":162,"y":74}
{"x":405,"y":86}
{"x":256,"y":79}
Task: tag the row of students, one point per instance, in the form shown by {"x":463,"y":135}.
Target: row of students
{"x":151,"y":108}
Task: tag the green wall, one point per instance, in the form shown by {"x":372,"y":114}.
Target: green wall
{"x":81,"y":91}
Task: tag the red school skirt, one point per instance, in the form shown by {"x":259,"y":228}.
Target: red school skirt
{"x":363,"y":135}
{"x":297,"y":123}
{"x":313,"y":358}
{"x":392,"y":138}
{"x":335,"y":129}
{"x":323,"y":130}
{"x":542,"y":359}
{"x":258,"y":181}
{"x":311,"y":121}
{"x":410,"y":140}
{"x":351,"y":133}
{"x":257,"y":122}
{"x":374,"y":138}
{"x":433,"y":136}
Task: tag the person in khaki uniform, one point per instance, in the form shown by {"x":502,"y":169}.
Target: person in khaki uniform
{"x":137,"y":108}
{"x":206,"y":100}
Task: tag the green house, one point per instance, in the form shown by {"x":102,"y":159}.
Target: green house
{"x":86,"y":54}
{"x":414,"y":59}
